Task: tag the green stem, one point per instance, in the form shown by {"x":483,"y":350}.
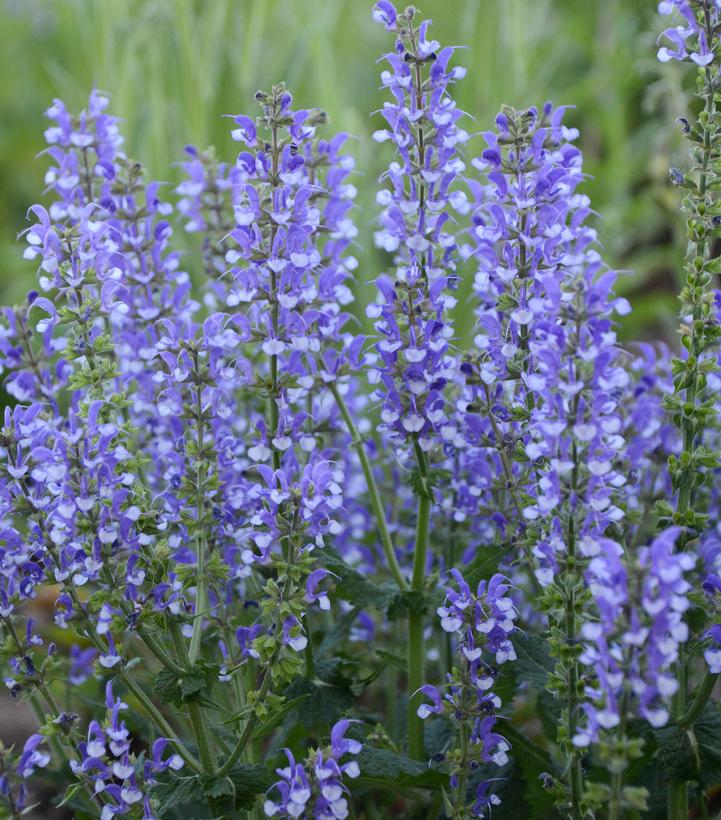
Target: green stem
{"x":160,"y":721}
{"x":309,"y":655}
{"x":614,"y":805}
{"x":248,"y":729}
{"x":415,"y":681}
{"x":374,"y":494}
{"x":156,"y":648}
{"x":571,"y":627}
{"x":201,"y":596}
{"x":576,"y":775}
{"x":703,"y":693}
{"x":263,"y":690}
{"x":460,"y":791}
{"x":677,"y":800}
{"x":196,"y":713}
{"x":416,"y":648}
{"x":678,"y":794}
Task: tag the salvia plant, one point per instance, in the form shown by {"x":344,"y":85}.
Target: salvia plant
{"x":254,"y":563}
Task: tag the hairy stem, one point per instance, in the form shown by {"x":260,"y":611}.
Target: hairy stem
{"x":196,"y":713}
{"x":201,"y":599}
{"x":696,"y":707}
{"x":698,"y":249}
{"x":416,"y":647}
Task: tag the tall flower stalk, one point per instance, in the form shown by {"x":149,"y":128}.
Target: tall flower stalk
{"x":695,"y":39}
{"x":548,"y":374}
{"x":414,"y":362}
{"x":219,"y":505}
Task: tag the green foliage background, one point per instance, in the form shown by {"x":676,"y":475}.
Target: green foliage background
{"x":173,"y":67}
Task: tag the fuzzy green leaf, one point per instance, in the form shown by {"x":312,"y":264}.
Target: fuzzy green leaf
{"x":380,"y":767}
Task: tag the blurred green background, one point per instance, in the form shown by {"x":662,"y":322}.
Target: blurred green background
{"x":173,"y":67}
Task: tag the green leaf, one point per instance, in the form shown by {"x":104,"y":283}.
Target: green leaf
{"x":534,"y":663}
{"x":484,"y":565}
{"x":412,"y":600}
{"x":166,"y":687}
{"x":532,"y":760}
{"x":70,"y":793}
{"x":176,"y":791}
{"x":218,"y":787}
{"x":532,"y":668}
{"x":393,"y":660}
{"x":231,"y":793}
{"x":339,"y":633}
{"x":191,"y":686}
{"x":277,"y":715}
{"x":693,"y":754}
{"x":354,"y":587}
{"x":438,"y":735}
{"x":323,"y":703}
{"x":249,"y":780}
{"x":380,"y":767}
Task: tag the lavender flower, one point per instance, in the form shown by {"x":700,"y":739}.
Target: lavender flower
{"x":414,"y":363}
{"x":106,"y":759}
{"x":482,"y":622}
{"x":183,"y":479}
{"x":548,"y":375}
{"x":630,"y":651}
{"x":692,"y":28}
{"x":315,"y":788}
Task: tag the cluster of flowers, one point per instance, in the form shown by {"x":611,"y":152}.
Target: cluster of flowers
{"x":150,"y":451}
{"x":413,"y":322}
{"x":12,"y":778}
{"x":630,"y":651}
{"x":175,"y":466}
{"x":117,"y":776}
{"x":316,"y":789}
{"x":481,"y":623}
{"x":691,"y":29}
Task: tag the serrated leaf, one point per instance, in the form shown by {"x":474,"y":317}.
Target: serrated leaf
{"x":532,"y":761}
{"x":190,"y":685}
{"x":249,"y":780}
{"x":277,"y":715}
{"x":354,"y":587}
{"x":235,"y":791}
{"x":484,"y":565}
{"x":381,"y":767}
{"x":324,"y":705}
{"x":534,"y":663}
{"x":166,"y":687}
{"x":412,"y":601}
{"x":218,"y":787}
{"x":176,"y":791}
{"x":693,"y":754}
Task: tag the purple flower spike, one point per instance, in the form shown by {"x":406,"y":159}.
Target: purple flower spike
{"x":315,"y":788}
